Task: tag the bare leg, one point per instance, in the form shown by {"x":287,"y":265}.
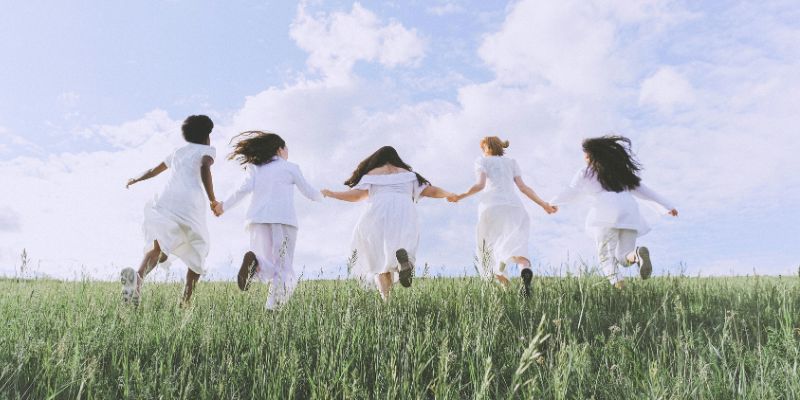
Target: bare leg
{"x":384,"y":282}
{"x":150,"y":260}
{"x":503,"y":280}
{"x":191,"y":280}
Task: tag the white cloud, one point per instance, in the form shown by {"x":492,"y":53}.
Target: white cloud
{"x":336,"y":41}
{"x":446,"y":8}
{"x":561,"y":73}
{"x":9,"y":220}
{"x":665,"y":90}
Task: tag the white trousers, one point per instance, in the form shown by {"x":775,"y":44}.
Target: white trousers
{"x":273,"y":245}
{"x":613,"y":247}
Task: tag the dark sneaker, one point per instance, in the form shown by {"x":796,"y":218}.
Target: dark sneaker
{"x":130,"y":295}
{"x":406,"y":267}
{"x":527,"y":276}
{"x":247,"y":270}
{"x":643,"y":258}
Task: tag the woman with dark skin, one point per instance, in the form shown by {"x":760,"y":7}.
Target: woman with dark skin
{"x":175,"y":222}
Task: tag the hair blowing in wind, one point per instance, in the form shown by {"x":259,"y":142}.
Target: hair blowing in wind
{"x":256,"y":147}
{"x":612,"y":161}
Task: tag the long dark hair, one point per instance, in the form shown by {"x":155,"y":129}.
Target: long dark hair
{"x":612,"y":161}
{"x":384,"y":155}
{"x":256,"y":147}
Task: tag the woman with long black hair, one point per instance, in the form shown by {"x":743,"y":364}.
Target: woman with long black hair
{"x":386,"y":235}
{"x":611,"y":181}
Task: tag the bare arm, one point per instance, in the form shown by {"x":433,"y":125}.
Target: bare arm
{"x":152,"y":172}
{"x":205,"y":175}
{"x":435,"y":192}
{"x":528,"y":191}
{"x":477,"y":187}
{"x":352,"y":195}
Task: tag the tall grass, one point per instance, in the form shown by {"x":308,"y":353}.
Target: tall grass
{"x":444,"y":338}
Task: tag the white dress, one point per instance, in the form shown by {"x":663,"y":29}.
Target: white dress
{"x":503,"y":224}
{"x":176,"y":219}
{"x":388,"y":224}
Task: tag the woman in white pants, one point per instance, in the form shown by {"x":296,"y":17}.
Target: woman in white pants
{"x":610,"y":181}
{"x":503,"y":224}
{"x":271,"y":218}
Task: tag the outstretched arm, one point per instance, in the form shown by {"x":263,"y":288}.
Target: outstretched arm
{"x":148,"y":174}
{"x":435,"y":192}
{"x":528,"y":191}
{"x":352,"y":195}
{"x":305,"y":188}
{"x":477,"y":187}
{"x":645,"y":193}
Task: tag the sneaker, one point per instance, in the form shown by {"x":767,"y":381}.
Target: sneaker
{"x":130,"y":295}
{"x":406,"y":267}
{"x":527,"y":276}
{"x":643,"y":258}
{"x":247,"y":270}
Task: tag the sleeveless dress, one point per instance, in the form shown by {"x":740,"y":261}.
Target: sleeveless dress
{"x":388,"y":224}
{"x":176,"y":219}
{"x":503,"y":224}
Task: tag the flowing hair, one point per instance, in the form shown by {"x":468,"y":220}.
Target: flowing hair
{"x":256,"y":147}
{"x":496,"y":146}
{"x":612,"y":162}
{"x":385,"y":155}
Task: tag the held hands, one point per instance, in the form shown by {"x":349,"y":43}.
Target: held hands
{"x":454,"y":198}
{"x":216,"y":208}
{"x":130,"y":182}
{"x":326,"y":193}
{"x":673,"y":212}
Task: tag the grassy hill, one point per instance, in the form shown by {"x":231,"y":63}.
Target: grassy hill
{"x":444,"y":338}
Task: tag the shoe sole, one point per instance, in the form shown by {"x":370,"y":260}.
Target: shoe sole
{"x":527,"y":276}
{"x":645,"y":266}
{"x":247,"y":270}
{"x":128,"y":279}
{"x":406,"y":267}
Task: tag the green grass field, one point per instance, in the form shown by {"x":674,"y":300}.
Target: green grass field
{"x":444,"y":338}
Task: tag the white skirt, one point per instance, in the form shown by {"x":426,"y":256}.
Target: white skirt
{"x":388,"y":224}
{"x":502,"y":233}
{"x":184,"y":238}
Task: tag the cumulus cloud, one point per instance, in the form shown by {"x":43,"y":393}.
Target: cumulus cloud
{"x":9,"y":220}
{"x":560,"y":72}
{"x":665,"y":90}
{"x":336,"y":41}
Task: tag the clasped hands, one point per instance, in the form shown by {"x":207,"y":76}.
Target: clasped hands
{"x":216,"y":208}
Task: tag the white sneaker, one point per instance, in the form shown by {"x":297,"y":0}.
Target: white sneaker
{"x":129,"y":278}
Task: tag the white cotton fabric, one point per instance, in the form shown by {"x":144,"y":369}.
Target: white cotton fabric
{"x":503,"y":224}
{"x":613,"y":247}
{"x":272,"y":187}
{"x":610,"y":209}
{"x":388,"y":224}
{"x":272,"y":222}
{"x":273,"y":245}
{"x":176,"y":219}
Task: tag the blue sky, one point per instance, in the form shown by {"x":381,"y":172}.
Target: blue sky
{"x":94,"y":92}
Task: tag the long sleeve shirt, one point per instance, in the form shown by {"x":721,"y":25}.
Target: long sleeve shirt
{"x":272,"y":188}
{"x":610,"y":209}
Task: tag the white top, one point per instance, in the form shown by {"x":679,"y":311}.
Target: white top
{"x":500,"y":188}
{"x":184,"y":194}
{"x":402,"y":183}
{"x":610,"y":209}
{"x":272,"y":186}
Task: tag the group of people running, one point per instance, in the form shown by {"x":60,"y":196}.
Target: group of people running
{"x":386,"y":236}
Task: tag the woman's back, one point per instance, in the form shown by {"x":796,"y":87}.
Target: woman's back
{"x":500,"y":186}
{"x":184,"y":187}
